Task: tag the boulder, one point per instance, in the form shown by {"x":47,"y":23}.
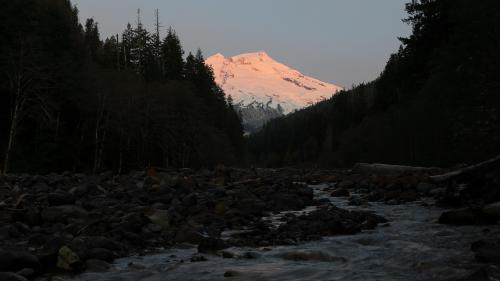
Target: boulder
{"x":231,"y":273}
{"x":10,"y":276}
{"x":68,"y":260}
{"x":425,"y":187}
{"x":161,"y":218}
{"x":211,"y":245}
{"x":340,"y":193}
{"x":17,"y":260}
{"x":466,"y":217}
{"x":60,"y":198}
{"x":101,"y":254}
{"x":26,"y":272}
{"x":93,"y":265}
{"x":103,"y":242}
{"x":492,"y":209}
{"x":487,"y":251}
{"x":61,"y":213}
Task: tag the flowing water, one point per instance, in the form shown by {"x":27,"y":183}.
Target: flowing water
{"x":412,"y":246}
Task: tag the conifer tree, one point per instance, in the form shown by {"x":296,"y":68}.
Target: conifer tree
{"x":172,"y":53}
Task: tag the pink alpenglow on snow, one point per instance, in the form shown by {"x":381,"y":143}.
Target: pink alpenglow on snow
{"x":256,"y":78}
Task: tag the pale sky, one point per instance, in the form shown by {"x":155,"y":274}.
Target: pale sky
{"x":344,"y":42}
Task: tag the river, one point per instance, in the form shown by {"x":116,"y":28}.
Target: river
{"x":412,"y":246}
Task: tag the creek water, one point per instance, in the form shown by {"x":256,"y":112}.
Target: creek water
{"x":412,"y":246}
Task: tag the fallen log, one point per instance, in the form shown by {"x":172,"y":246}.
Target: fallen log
{"x":488,"y":164}
{"x":392,"y":169}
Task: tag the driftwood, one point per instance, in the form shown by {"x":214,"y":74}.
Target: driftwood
{"x":391,"y":169}
{"x":477,"y":168}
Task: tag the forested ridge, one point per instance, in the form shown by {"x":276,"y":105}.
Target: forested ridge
{"x":437,"y":101}
{"x":73,"y":102}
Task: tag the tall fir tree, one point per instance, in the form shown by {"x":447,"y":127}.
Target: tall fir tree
{"x":172,"y":56}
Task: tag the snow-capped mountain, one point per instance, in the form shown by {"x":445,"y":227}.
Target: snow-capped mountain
{"x":258,"y":83}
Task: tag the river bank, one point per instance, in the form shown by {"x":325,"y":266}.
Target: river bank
{"x":73,"y":223}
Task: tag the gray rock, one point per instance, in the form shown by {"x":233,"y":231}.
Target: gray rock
{"x":68,"y":260}
{"x":103,"y":242}
{"x":27,"y":272}
{"x":466,"y":217}
{"x":16,"y":260}
{"x":211,"y":245}
{"x":492,"y":209}
{"x":437,"y":191}
{"x":101,"y":254}
{"x":161,"y":218}
{"x":487,"y":251}
{"x":60,"y":213}
{"x":94,"y":265}
{"x":60,"y":198}
{"x":340,"y":193}
{"x":10,"y":276}
{"x":425,"y":187}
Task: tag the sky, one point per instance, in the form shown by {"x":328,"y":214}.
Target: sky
{"x":345,"y":42}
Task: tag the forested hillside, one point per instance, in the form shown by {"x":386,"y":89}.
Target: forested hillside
{"x":436,"y":103}
{"x":70,"y":101}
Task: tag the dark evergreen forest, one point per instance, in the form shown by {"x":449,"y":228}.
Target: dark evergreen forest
{"x":436,"y":103}
{"x":72,"y":102}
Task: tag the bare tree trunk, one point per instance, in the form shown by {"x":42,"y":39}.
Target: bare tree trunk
{"x":16,"y":105}
{"x":12,"y":135}
{"x":96,"y":151}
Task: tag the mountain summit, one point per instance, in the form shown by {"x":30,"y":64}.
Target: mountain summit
{"x":263,"y":88}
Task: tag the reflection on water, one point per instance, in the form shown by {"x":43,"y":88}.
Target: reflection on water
{"x":411,"y":247}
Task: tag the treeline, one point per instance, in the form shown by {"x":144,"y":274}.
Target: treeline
{"x":70,"y":101}
{"x":436,"y":103}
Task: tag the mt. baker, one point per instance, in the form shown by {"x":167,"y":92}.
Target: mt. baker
{"x":263,"y":88}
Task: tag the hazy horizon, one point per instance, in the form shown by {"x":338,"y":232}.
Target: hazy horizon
{"x":334,"y":46}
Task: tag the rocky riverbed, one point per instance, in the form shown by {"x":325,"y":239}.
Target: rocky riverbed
{"x":259,"y":223}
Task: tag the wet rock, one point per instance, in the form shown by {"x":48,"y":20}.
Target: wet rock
{"x":211,"y":245}
{"x":345,"y":184}
{"x":197,"y":258}
{"x":231,"y":273}
{"x":487,"y":251}
{"x":466,"y":217}
{"x":136,"y":266}
{"x":10,"y":276}
{"x":227,"y":255}
{"x":356,"y":201}
{"x":485,"y":273}
{"x":93,"y":265}
{"x":250,"y":206}
{"x":340,"y":193}
{"x":26,"y":272}
{"x":101,"y":254}
{"x":103,"y":242}
{"x":310,"y":256}
{"x":188,"y":234}
{"x":250,"y":255}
